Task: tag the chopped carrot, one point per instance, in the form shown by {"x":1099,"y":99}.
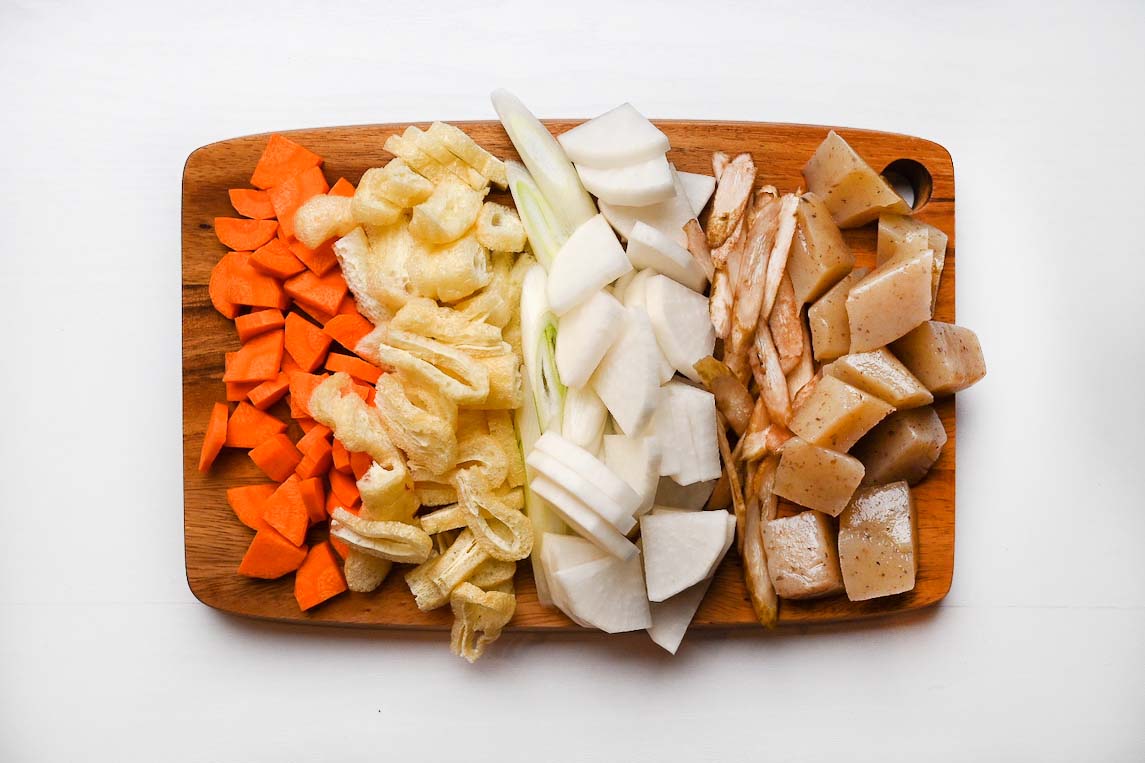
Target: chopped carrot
{"x":258,"y":322}
{"x":275,"y":259}
{"x":293,"y":192}
{"x":356,"y":367}
{"x":215,"y":436}
{"x":306,"y":343}
{"x":247,"y":286}
{"x":281,"y":159}
{"x":260,"y":359}
{"x":270,"y":392}
{"x":219,"y":284}
{"x":340,"y":546}
{"x":271,"y":556}
{"x":323,"y":293}
{"x":248,"y":502}
{"x":314,"y":496}
{"x":342,"y":188}
{"x":251,"y":203}
{"x":310,"y":439}
{"x":319,"y":578}
{"x":334,"y":502}
{"x":348,"y":306}
{"x":343,"y":486}
{"x":320,"y":261}
{"x":364,"y":391}
{"x":347,"y":329}
{"x":285,"y":511}
{"x":301,"y":388}
{"x":316,"y":461}
{"x":341,"y":457}
{"x":317,"y":316}
{"x":249,"y":427}
{"x":244,"y":235}
{"x":360,"y":463}
{"x":277,"y":457}
{"x":239,"y":391}
{"x":306,"y":424}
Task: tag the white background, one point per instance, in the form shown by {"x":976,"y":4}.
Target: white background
{"x":1035,"y":655}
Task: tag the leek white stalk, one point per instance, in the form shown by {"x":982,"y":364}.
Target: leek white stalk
{"x":547,"y":234}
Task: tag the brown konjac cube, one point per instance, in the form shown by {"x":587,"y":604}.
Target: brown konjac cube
{"x":944,"y":357}
{"x":890,"y":301}
{"x":899,"y":234}
{"x":878,"y":542}
{"x":802,"y":556}
{"x":819,"y":256}
{"x":880,"y":373}
{"x":853,"y":192}
{"x":902,"y":447}
{"x":836,"y":415}
{"x":830,"y":327}
{"x":815,"y":477}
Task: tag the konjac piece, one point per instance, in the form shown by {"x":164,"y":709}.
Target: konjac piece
{"x":878,"y":542}
{"x":881,"y":374}
{"x":836,"y":415}
{"x":902,"y":447}
{"x":944,"y":357}
{"x":899,"y":234}
{"x":819,"y":256}
{"x":854,"y":193}
{"x":830,"y":326}
{"x":816,"y":477}
{"x":890,"y":301}
{"x":802,"y":556}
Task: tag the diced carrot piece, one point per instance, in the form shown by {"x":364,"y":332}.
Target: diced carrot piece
{"x":277,"y":457}
{"x":275,"y":259}
{"x":306,"y":424}
{"x":249,"y":427}
{"x":316,"y":461}
{"x":270,"y":392}
{"x":271,"y":556}
{"x":349,"y":306}
{"x":319,"y":578}
{"x":247,"y":286}
{"x":340,"y":546}
{"x":218,"y":286}
{"x":323,"y":293}
{"x":301,"y":388}
{"x":320,"y":261}
{"x":258,"y":322}
{"x":244,"y":235}
{"x":305,"y":342}
{"x":314,"y":496}
{"x":347,"y":329}
{"x":364,"y":391}
{"x":239,"y":391}
{"x":360,"y":463}
{"x":310,"y":439}
{"x":215,"y":436}
{"x":343,"y":486}
{"x":281,"y":159}
{"x":293,"y":192}
{"x":334,"y":502}
{"x":251,"y":203}
{"x":259,"y":360}
{"x":248,"y":502}
{"x":356,"y":367}
{"x":371,"y":396}
{"x":285,"y":511}
{"x":341,"y":457}
{"x":342,"y":188}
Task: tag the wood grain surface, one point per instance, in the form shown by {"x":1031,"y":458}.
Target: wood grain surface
{"x":215,"y":540}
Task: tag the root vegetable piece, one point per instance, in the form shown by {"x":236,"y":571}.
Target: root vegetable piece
{"x":878,"y":542}
{"x":697,"y":188}
{"x":902,"y":447}
{"x":635,"y":295}
{"x":450,"y":272}
{"x":649,"y":248}
{"x":247,"y":501}
{"x":853,"y":192}
{"x":819,"y":255}
{"x":306,"y":343}
{"x":608,"y":594}
{"x":944,"y":357}
{"x":830,"y":327}
{"x":637,"y":461}
{"x":259,"y":322}
{"x":628,"y":378}
{"x":270,"y":556}
{"x":277,"y":457}
{"x":286,"y":512}
{"x":293,"y":192}
{"x":348,"y":330}
{"x":835,"y":414}
{"x":900,"y":235}
{"x":681,"y":548}
{"x":634,"y":185}
{"x":584,"y":521}
{"x":890,"y":301}
{"x":881,"y":374}
{"x":323,"y":294}
{"x":816,"y":477}
{"x":604,"y":501}
{"x":322,"y":217}
{"x":802,"y":556}
{"x":586,"y":333}
{"x":590,"y":260}
{"x":617,"y":138}
{"x":583,"y":418}
{"x":682,"y":323}
{"x":244,"y":235}
{"x":500,"y":229}
{"x":319,"y":578}
{"x":563,"y":552}
{"x":281,"y":160}
{"x":275,"y":259}
{"x":668,"y":216}
{"x":251,"y":203}
{"x":215,"y":436}
{"x":449,"y":211}
{"x":249,"y":427}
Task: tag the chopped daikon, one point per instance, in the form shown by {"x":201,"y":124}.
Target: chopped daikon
{"x":591,"y":259}
{"x":616,"y":138}
{"x":636,"y":185}
{"x":637,"y":461}
{"x":563,"y":552}
{"x":628,"y":378}
{"x":584,"y":521}
{"x":682,"y":323}
{"x":698,"y":189}
{"x":585,"y":464}
{"x":634,"y":296}
{"x":669,"y":216}
{"x":585,"y":334}
{"x":601,"y":502}
{"x":680,"y":549}
{"x":546,"y":522}
{"x":584,"y":419}
{"x":608,"y":594}
{"x":649,"y":248}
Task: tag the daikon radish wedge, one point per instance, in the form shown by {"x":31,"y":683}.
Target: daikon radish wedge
{"x":584,"y":521}
{"x":635,"y":185}
{"x":584,"y":336}
{"x":637,"y":461}
{"x":584,"y":418}
{"x":698,"y":189}
{"x":635,"y":296}
{"x":649,"y":248}
{"x":668,"y":216}
{"x":608,"y":594}
{"x":682,"y":323}
{"x":697,"y":407}
{"x":616,"y":138}
{"x":680,"y":548}
{"x":628,"y":379}
{"x":590,"y":260}
{"x":563,"y":552}
{"x":600,"y":501}
{"x":588,"y":466}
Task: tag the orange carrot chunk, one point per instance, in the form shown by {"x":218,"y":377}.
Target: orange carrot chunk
{"x":319,"y":578}
{"x":239,"y":391}
{"x":277,"y":457}
{"x":285,"y":511}
{"x":341,"y":457}
{"x":311,"y":439}
{"x":306,"y":343}
{"x":275,"y":259}
{"x":293,"y":192}
{"x":301,"y":388}
{"x":323,"y":293}
{"x":269,"y":392}
{"x":218,"y":286}
{"x":258,"y":322}
{"x":342,"y":188}
{"x":314,"y":496}
{"x":347,"y":329}
{"x":251,"y":203}
{"x":316,"y":461}
{"x":340,"y":546}
{"x":281,"y":159}
{"x":259,"y":360}
{"x":356,"y":367}
{"x":271,"y":556}
{"x":334,"y":502}
{"x":320,"y":261}
{"x":243,"y":235}
{"x":248,"y":502}
{"x":249,"y":427}
{"x":360,"y":463}
{"x":343,"y":486}
{"x":247,"y":286}
{"x":215,"y":436}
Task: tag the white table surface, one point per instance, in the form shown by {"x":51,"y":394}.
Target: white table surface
{"x":1037,"y":652}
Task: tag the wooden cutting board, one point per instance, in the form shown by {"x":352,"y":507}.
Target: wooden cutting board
{"x":215,"y":540}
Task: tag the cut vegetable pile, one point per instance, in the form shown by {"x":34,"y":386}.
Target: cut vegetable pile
{"x":591,"y":379}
